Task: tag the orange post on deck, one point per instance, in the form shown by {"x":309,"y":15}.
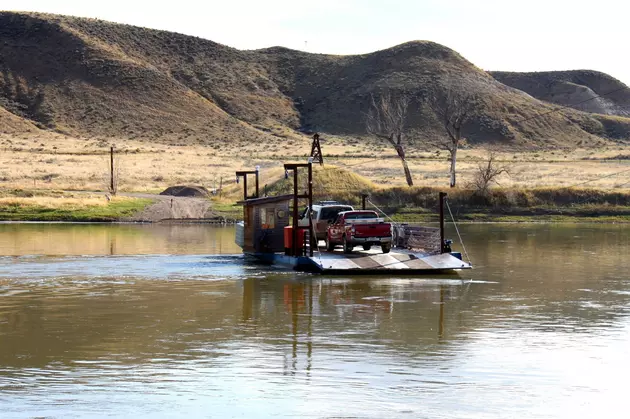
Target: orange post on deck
{"x":288,"y":240}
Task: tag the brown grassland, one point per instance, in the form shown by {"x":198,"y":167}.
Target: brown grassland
{"x":77,"y":164}
{"x":62,"y":174}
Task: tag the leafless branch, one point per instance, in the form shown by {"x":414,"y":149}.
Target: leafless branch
{"x":487,"y":173}
{"x":453,"y":107}
{"x":386,"y":119}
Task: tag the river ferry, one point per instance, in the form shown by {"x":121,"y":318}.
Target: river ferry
{"x":271,"y":232}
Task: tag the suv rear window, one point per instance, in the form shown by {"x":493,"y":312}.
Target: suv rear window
{"x":361,"y":216}
{"x":330,"y":213}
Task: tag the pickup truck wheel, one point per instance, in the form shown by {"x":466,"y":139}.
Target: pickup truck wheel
{"x":329,"y":246}
{"x":386,"y":247}
{"x":366,"y":247}
{"x":347,"y":247}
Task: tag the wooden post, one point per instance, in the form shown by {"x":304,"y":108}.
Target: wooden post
{"x":220,"y":186}
{"x":295,"y":212}
{"x":442,"y":197}
{"x":111,"y":171}
{"x":257,"y":194}
{"x":244,"y":174}
{"x":363,"y":198}
{"x":313,"y":240}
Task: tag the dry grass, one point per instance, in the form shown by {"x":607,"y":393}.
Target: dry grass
{"x":67,"y":203}
{"x":33,"y":162}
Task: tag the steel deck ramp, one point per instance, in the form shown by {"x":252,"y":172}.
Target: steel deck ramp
{"x":374,"y":261}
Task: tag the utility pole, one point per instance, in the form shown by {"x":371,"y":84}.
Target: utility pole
{"x":316,"y":151}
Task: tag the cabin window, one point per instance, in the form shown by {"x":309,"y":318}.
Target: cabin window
{"x":267,"y":218}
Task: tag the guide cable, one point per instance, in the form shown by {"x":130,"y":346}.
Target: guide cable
{"x":457,"y":230}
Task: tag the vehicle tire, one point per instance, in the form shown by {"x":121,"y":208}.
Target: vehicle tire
{"x":367,"y":247}
{"x":347,"y":247}
{"x":386,"y":247}
{"x":329,"y":246}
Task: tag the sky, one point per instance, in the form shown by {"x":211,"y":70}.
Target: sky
{"x":508,"y":35}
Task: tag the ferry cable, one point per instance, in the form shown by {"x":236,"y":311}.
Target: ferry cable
{"x":457,"y":230}
{"x":394,"y":223}
{"x":598,"y":178}
{"x":382,"y":212}
{"x":582,"y":201}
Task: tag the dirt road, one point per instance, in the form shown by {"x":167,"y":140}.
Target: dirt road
{"x":171,"y":207}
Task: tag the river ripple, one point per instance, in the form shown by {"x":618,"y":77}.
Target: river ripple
{"x":538,"y":329}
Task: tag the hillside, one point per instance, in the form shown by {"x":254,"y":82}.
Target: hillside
{"x":579,"y":89}
{"x":92,"y":79}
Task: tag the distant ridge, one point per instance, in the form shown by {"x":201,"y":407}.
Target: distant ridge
{"x":585,"y":90}
{"x":90,"y":78}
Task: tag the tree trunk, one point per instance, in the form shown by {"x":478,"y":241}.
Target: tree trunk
{"x":407,"y":173}
{"x":453,"y":161}
{"x":401,"y":153}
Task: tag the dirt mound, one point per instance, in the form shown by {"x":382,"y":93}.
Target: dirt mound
{"x":86,"y":78}
{"x":189,"y":191}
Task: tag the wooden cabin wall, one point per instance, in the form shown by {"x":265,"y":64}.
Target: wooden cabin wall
{"x":270,"y":239}
{"x":250,"y":228}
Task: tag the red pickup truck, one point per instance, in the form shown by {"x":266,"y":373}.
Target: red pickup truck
{"x":353,"y":228}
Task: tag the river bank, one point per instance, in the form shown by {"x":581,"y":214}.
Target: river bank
{"x":418,"y":204}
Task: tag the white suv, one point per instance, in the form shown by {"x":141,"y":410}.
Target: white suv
{"x":324,"y":213}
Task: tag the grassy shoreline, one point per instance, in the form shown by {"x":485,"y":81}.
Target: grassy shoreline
{"x":70,"y":209}
{"x":119,"y":211}
{"x":417,"y":204}
{"x":576,"y":214}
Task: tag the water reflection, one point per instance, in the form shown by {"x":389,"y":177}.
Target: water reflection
{"x":541,"y":331}
{"x":139,"y":320}
{"x":71,"y":239}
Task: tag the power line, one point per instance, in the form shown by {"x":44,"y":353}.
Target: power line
{"x":598,"y":178}
{"x":571,"y":106}
{"x":537,"y":116}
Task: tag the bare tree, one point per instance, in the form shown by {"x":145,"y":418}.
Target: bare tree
{"x":454,"y":109}
{"x":487,"y":173}
{"x":386,"y":119}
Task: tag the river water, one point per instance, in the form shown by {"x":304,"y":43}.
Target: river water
{"x":170,"y":321}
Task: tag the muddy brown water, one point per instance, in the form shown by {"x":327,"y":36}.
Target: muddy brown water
{"x":171,"y":321}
